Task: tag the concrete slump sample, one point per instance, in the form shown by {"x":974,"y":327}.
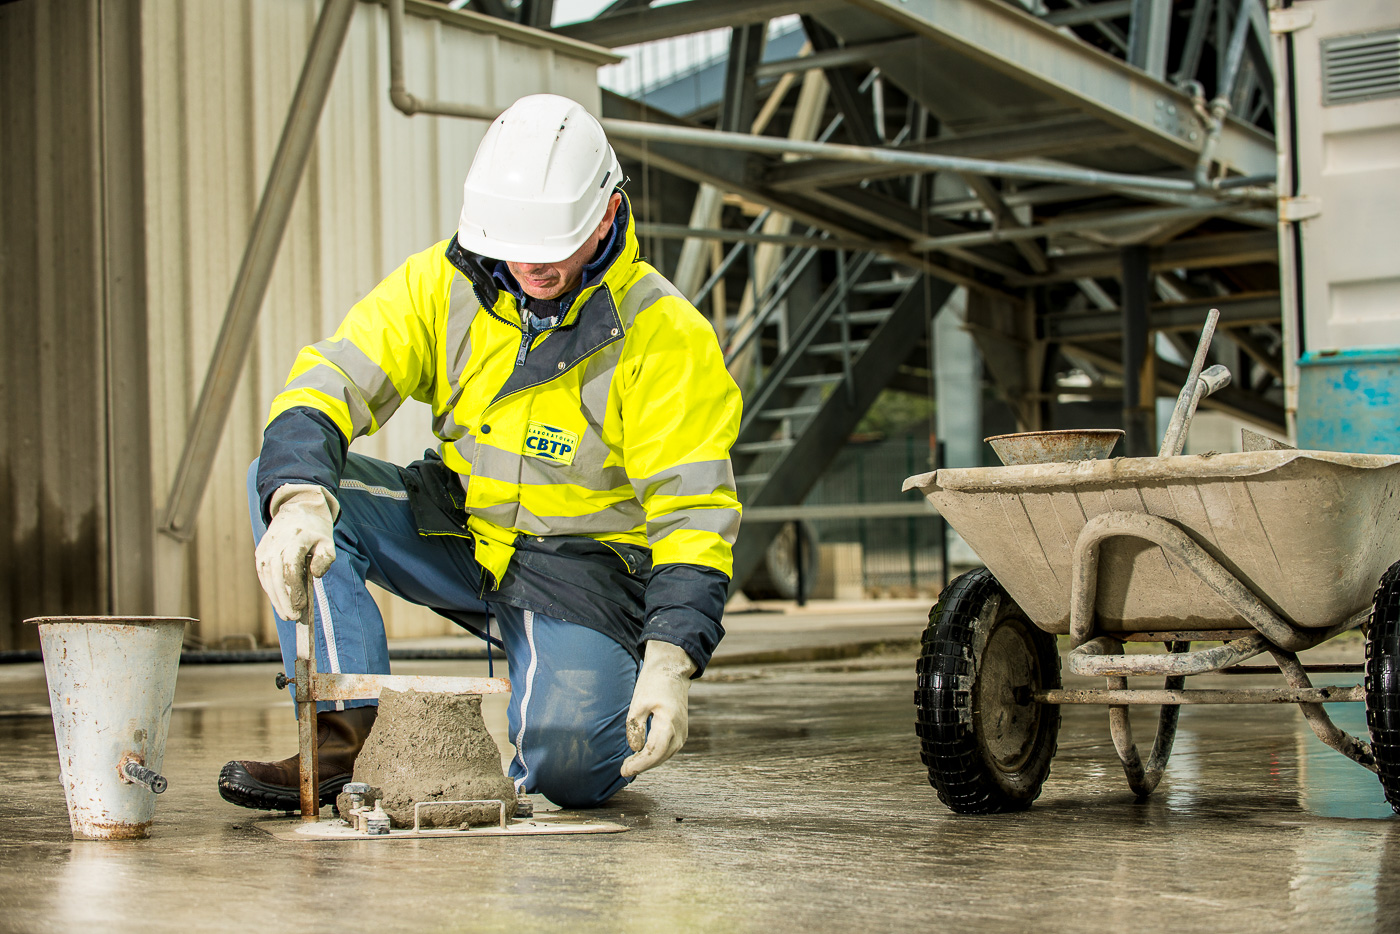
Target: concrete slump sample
{"x":431,"y":747}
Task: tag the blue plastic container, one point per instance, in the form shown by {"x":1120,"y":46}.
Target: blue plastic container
{"x":1349,"y":400}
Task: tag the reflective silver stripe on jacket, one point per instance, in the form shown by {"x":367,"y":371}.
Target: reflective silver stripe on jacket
{"x":644,"y":293}
{"x":462,"y":307}
{"x":527,"y":470}
{"x":369,"y":394}
{"x":619,"y":517}
{"x":701,"y":478}
{"x":723,"y":522}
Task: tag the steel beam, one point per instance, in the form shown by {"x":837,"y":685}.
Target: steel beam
{"x":1104,"y":27}
{"x":1137,"y":352}
{"x":1090,"y":13}
{"x":844,"y":90}
{"x":1235,"y":312}
{"x":1271,"y":362}
{"x":1232,"y":400}
{"x":1230,"y":249}
{"x":832,"y":57}
{"x":1195,"y":41}
{"x":739,"y":104}
{"x":1035,"y":53}
{"x":259,"y":254}
{"x":1148,"y":36}
{"x":900,"y":220}
{"x":1003,"y":217}
{"x":1133,"y":218}
{"x":911,"y":161}
{"x":632,"y":26}
{"x":682,"y":232}
{"x":1045,"y":138}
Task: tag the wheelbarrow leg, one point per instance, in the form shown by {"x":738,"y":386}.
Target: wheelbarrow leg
{"x":1143,"y":779}
{"x":1339,"y":739}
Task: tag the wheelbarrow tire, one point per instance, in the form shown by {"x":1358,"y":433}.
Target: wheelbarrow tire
{"x":986,"y":744}
{"x":1383,"y":683}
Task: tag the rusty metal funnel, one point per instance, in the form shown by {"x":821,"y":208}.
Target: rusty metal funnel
{"x":111,"y":690}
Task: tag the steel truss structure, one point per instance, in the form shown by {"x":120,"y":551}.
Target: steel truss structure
{"x":1096,"y":175}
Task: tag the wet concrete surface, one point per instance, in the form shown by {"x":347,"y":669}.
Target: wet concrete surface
{"x":798,"y":804}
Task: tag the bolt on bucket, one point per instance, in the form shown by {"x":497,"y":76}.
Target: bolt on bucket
{"x":111,"y":691}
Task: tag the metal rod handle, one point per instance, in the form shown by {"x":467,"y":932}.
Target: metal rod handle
{"x":305,"y":672}
{"x":1175,"y":436}
{"x":137,"y":773}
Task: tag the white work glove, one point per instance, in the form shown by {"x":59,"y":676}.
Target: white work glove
{"x":662,"y":691}
{"x":303,"y":519}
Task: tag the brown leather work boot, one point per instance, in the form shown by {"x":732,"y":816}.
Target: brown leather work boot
{"x":276,"y":786}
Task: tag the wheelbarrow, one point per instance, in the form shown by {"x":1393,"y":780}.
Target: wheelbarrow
{"x":1219,"y":558}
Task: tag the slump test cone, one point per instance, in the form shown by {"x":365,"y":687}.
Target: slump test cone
{"x":111,"y":690}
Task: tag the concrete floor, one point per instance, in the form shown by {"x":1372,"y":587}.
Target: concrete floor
{"x":798,"y":804}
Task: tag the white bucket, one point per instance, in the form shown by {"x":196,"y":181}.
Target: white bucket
{"x":111,"y":690}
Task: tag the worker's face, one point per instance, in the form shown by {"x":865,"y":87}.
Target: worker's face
{"x":553,"y":280}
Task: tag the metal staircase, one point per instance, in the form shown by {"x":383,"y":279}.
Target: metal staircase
{"x":839,"y":357}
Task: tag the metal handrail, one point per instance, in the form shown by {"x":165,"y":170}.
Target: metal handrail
{"x":821,"y":314}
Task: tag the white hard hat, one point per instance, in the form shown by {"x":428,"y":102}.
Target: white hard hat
{"x":540,"y":182}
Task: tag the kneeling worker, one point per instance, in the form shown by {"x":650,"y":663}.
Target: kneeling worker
{"x":582,"y":490}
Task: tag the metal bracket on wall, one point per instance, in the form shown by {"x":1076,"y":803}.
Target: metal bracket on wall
{"x":1290,"y":19}
{"x":1300,"y":208}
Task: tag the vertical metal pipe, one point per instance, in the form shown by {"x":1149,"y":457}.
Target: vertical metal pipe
{"x":938,"y":458}
{"x":1148,"y":33}
{"x":1136,"y":295}
{"x":800,"y":558}
{"x":259,"y":255}
{"x":911,"y":531}
{"x":1234,"y":55}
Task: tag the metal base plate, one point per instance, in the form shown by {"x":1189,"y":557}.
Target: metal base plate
{"x":548,"y":822}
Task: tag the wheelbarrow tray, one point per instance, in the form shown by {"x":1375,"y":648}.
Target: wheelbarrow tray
{"x":1309,"y":532}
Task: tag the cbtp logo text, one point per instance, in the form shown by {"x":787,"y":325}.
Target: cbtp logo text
{"x":552,"y":444}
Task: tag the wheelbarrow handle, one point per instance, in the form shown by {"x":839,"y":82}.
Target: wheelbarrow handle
{"x":1198,"y":386}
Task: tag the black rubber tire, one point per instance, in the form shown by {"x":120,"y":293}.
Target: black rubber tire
{"x":1383,"y":683}
{"x":986,"y":745}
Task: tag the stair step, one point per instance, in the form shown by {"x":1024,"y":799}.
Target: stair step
{"x":883,"y":286}
{"x":763,"y":447}
{"x":751,"y":479}
{"x":869,"y":316}
{"x":817,"y":379}
{"x":838,"y":348}
{"x":796,"y":411}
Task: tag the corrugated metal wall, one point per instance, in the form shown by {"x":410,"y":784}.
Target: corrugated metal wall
{"x":215,"y":80}
{"x":52,"y":437}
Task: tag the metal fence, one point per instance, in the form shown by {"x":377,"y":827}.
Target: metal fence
{"x":901,"y":556}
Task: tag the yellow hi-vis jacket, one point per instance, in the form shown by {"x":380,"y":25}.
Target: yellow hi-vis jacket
{"x":614,"y":425}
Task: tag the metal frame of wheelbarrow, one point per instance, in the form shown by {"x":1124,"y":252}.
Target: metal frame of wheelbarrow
{"x":312,"y":686}
{"x":1093,"y":654}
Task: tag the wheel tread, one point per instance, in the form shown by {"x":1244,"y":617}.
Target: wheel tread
{"x":948,"y":747}
{"x":1382,"y":683}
